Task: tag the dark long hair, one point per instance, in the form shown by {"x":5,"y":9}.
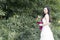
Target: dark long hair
{"x":48,"y":13}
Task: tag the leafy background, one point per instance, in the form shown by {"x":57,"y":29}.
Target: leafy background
{"x":18,"y":19}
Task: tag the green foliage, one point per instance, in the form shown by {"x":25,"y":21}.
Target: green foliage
{"x":18,"y":18}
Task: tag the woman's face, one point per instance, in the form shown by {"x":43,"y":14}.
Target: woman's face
{"x":45,"y":10}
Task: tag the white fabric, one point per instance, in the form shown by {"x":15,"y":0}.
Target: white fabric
{"x":46,"y":33}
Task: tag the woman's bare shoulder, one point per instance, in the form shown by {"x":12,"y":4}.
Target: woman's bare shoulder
{"x":46,"y":15}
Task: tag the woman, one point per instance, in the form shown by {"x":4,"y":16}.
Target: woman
{"x":46,"y":33}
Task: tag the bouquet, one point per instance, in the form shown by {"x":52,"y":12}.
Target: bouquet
{"x":39,"y":22}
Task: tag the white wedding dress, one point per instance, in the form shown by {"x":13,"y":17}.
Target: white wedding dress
{"x":46,"y":33}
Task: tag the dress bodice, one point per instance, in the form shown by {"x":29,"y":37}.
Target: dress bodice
{"x":44,"y":21}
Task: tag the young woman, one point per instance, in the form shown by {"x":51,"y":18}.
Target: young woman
{"x":46,"y":33}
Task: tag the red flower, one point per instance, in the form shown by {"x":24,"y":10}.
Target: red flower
{"x":40,"y":22}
